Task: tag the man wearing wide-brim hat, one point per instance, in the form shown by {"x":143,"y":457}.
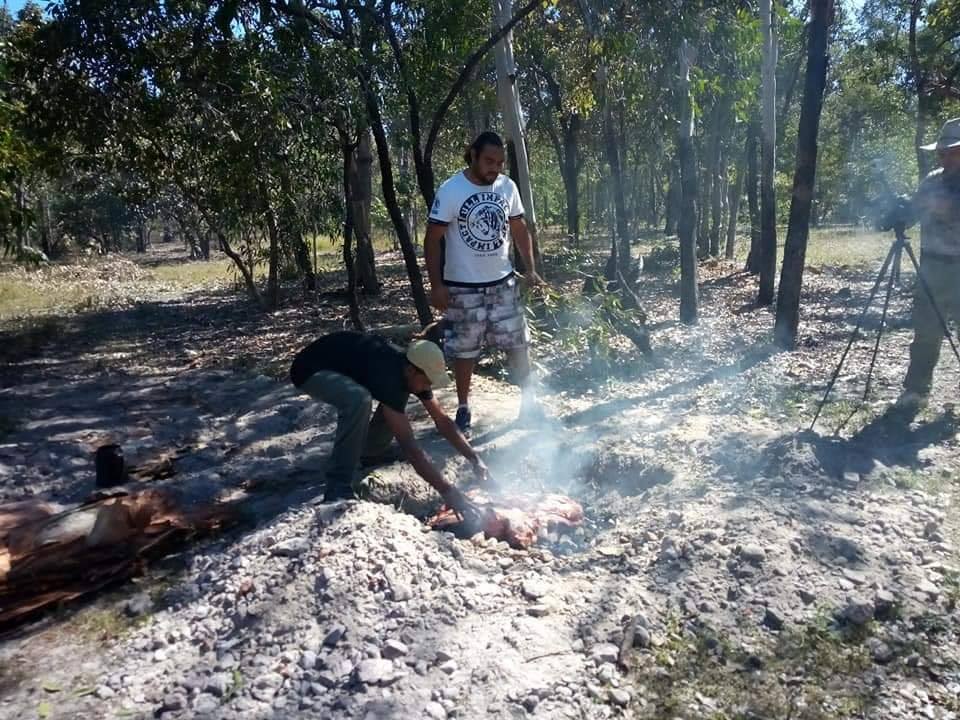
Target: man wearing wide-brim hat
{"x":936,"y":206}
{"x":350,"y":370}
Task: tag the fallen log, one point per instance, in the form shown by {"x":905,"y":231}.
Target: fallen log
{"x":49,"y":556}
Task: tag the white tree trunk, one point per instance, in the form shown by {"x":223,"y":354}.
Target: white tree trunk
{"x":768,"y":198}
{"x":509,"y":99}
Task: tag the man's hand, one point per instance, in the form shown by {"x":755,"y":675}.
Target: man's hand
{"x":533,"y":280}
{"x":455,"y":499}
{"x":474,"y":516}
{"x":440,"y":297}
{"x":480,"y":472}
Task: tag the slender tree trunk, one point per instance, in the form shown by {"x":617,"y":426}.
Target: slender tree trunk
{"x":736,"y":188}
{"x":362,"y":200}
{"x":798,"y":230}
{"x":918,"y":77}
{"x":292,"y":229}
{"x":768,"y":198}
{"x":753,"y":200}
{"x":420,"y":302}
{"x":273,"y":268}
{"x":674,"y":198}
{"x":246,"y":272}
{"x":612,"y":146}
{"x":689,"y":290}
{"x":570,"y":166}
{"x":703,"y":208}
{"x":347,"y":148}
{"x":510,"y":107}
{"x":717,"y":201}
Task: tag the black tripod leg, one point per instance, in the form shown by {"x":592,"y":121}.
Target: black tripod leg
{"x":855,"y":333}
{"x":897,"y":262}
{"x":894,"y":275}
{"x":933,"y":302}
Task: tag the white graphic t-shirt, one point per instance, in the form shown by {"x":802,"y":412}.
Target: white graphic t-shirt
{"x":477,"y":248}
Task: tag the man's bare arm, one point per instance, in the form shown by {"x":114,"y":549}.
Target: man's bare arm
{"x":521,"y":238}
{"x":449,"y":430}
{"x":439,"y":297}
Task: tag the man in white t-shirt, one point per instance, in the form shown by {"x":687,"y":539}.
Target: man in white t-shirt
{"x":472,"y":280}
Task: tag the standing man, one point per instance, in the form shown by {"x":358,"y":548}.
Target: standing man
{"x":472,"y":280}
{"x":936,"y":206}
{"x":349,"y":370}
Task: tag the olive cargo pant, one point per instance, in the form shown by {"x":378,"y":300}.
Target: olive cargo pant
{"x":358,"y":434}
{"x":943,"y":279}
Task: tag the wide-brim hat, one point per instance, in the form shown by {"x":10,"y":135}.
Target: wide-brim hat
{"x":949,"y":136}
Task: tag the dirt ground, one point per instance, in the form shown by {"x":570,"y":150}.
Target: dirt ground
{"x":766,"y":570}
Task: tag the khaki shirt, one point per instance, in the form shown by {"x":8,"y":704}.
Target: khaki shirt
{"x":936,"y":206}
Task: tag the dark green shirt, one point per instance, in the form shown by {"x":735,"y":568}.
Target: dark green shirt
{"x":368,"y":360}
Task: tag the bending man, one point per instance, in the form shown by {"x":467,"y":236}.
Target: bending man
{"x":349,"y":370}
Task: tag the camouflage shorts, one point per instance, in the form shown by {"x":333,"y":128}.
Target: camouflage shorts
{"x":493,"y":315}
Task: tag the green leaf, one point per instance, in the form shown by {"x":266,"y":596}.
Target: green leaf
{"x":44,"y":710}
{"x":51,"y":687}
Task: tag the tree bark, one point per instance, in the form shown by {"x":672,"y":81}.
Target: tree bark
{"x":673,"y":200}
{"x":512,"y":111}
{"x":689,"y":291}
{"x":292,"y":229}
{"x":798,"y":230}
{"x":733,"y":202}
{"x":753,"y":201}
{"x":768,"y":197}
{"x":717,"y":200}
{"x":918,"y":77}
{"x":347,"y":148}
{"x":570,"y":169}
{"x":362,"y":199}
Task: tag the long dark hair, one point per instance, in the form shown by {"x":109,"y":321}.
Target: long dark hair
{"x":483,"y":139}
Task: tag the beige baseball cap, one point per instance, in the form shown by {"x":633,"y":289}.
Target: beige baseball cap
{"x":427,"y":357}
{"x":949,"y":136}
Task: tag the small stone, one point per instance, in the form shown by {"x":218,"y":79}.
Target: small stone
{"x":641,"y":637}
{"x":290,"y":548}
{"x":885,"y":603}
{"x":619,"y":697}
{"x":538,"y":610}
{"x":326,"y":680}
{"x":753,"y":553}
{"x":400,"y":592}
{"x":435,"y":711}
{"x":160,"y":655}
{"x":533,"y":589}
{"x":880,"y":651}
{"x":174,"y":702}
{"x":308,"y":661}
{"x":373,"y":671}
{"x":266,"y":686}
{"x":855,"y":576}
{"x":333,"y":636}
{"x":773,"y":619}
{"x":205,"y":704}
{"x":104,"y":692}
{"x":859,"y":611}
{"x":807,"y":596}
{"x":605,"y":653}
{"x":530,"y":703}
{"x":218,"y":685}
{"x":393,"y":649}
{"x":928,"y":588}
{"x":449,"y":667}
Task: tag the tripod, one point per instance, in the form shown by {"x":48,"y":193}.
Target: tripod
{"x":891,"y":264}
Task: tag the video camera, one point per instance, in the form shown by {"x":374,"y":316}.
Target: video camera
{"x":896,"y":212}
